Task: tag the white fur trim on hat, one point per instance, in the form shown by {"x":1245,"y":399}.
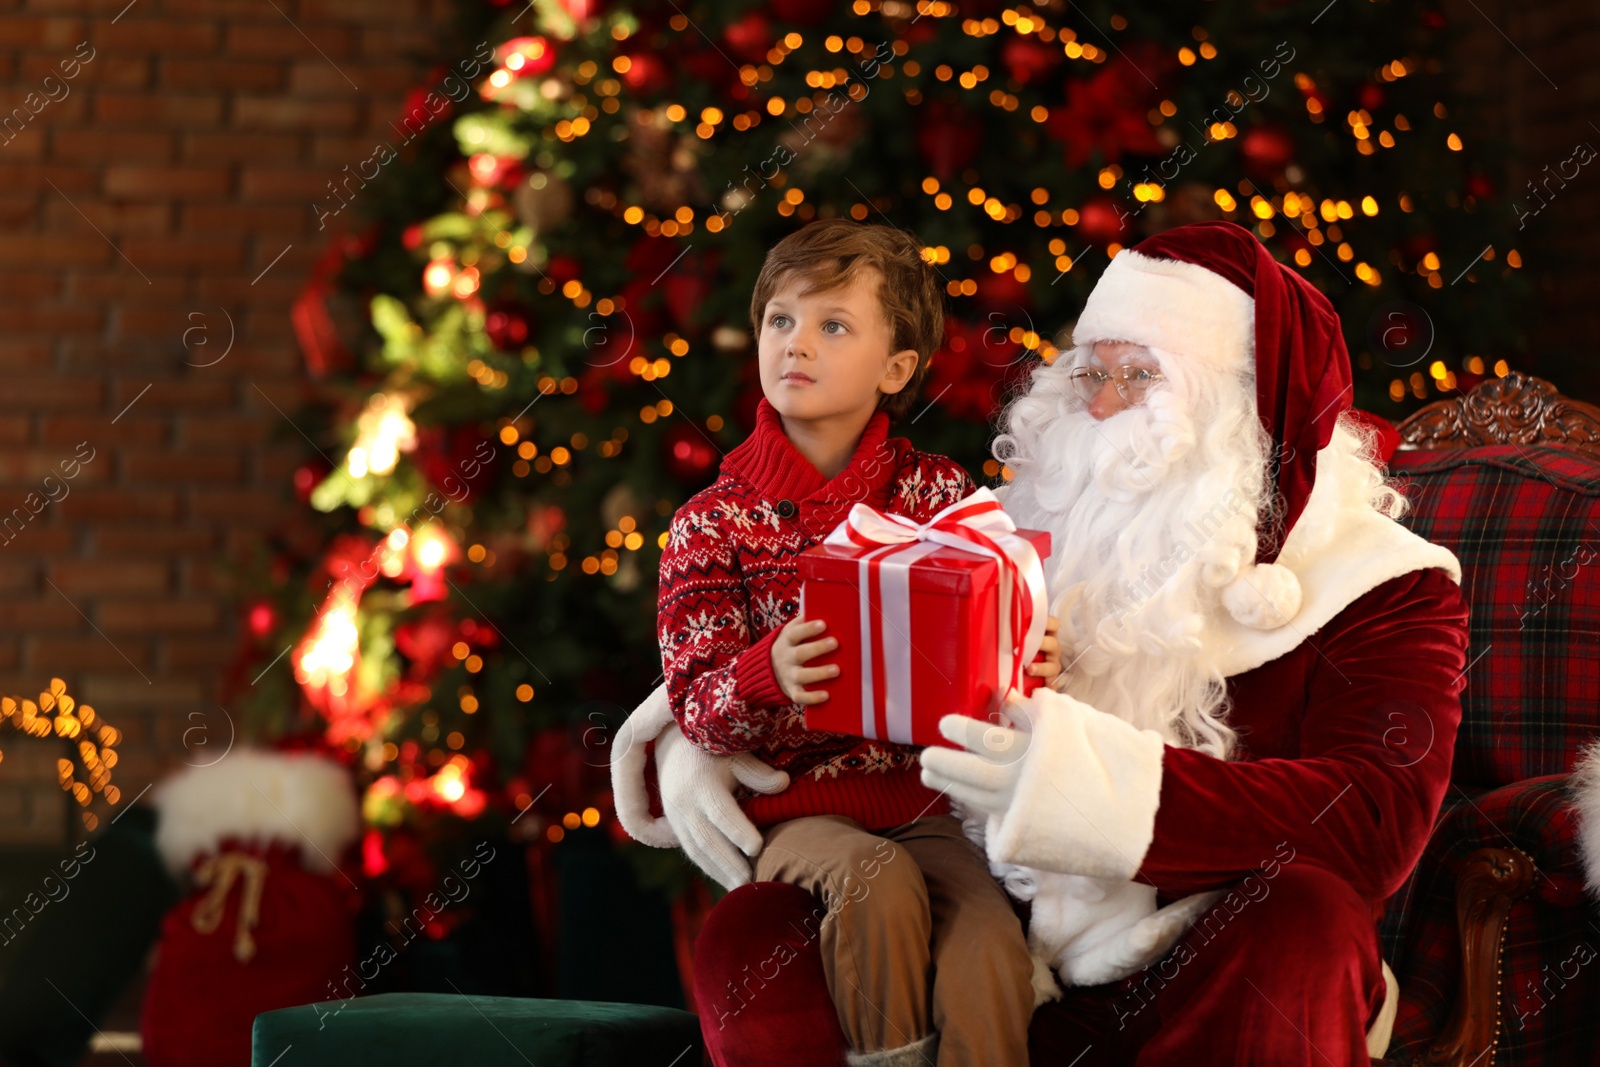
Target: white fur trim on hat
{"x":1172,"y":305}
{"x":1264,"y":596}
{"x":258,"y":796}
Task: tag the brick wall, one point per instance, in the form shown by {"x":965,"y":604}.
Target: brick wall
{"x":152,"y":195}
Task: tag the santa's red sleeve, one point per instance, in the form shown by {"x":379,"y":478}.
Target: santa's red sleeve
{"x":1377,"y":738}
{"x":1376,"y":720}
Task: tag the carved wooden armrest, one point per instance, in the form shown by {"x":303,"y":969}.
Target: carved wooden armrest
{"x":1492,"y":880}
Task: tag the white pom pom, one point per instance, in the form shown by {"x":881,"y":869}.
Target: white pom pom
{"x":1263,"y":597}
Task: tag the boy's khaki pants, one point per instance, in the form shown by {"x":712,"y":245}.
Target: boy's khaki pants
{"x":918,"y":937}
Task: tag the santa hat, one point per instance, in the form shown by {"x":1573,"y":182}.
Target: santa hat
{"x":258,"y":797}
{"x":1211,"y":291}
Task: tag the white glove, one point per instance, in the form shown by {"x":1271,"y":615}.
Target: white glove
{"x":697,"y":795}
{"x":1095,"y":930}
{"x":983,"y":778}
{"x":702,"y":816}
{"x":628,"y":790}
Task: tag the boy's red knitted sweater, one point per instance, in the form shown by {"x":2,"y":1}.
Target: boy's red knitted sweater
{"x":729,"y":583}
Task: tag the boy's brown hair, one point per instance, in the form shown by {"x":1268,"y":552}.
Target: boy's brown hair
{"x":828,"y":253}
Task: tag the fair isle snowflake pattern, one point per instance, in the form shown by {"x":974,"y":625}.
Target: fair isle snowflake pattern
{"x":705,"y":628}
{"x":736,"y":519}
{"x":930,"y":490}
{"x":869,"y":758}
{"x":770,"y":611}
{"x":730,"y":581}
{"x":691,"y":524}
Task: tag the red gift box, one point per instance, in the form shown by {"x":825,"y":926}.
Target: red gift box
{"x":927,"y":643}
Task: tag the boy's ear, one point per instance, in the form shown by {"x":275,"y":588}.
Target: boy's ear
{"x":898,"y":371}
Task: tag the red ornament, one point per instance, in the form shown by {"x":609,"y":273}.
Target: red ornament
{"x":1479,"y":186}
{"x":411,"y":236}
{"x":1415,"y":247}
{"x":562,"y":269}
{"x":314,"y":327}
{"x":1028,"y":59}
{"x":748,"y":400}
{"x":751,"y":37}
{"x":493,"y":172}
{"x":580,"y":10}
{"x":687,"y":454}
{"x":1105,"y":112}
{"x":709,"y":68}
{"x":526,"y":56}
{"x":804,"y":12}
{"x":261,"y":619}
{"x":948,"y":137}
{"x":507,"y":326}
{"x":426,"y":642}
{"x":456,"y":460}
{"x":688,"y":285}
{"x":416,"y":114}
{"x":350,"y":558}
{"x":1370,"y":96}
{"x":684,"y":293}
{"x":610,"y":346}
{"x":971,"y":368}
{"x":307,"y":477}
{"x":1294,"y":241}
{"x":1005,"y":294}
{"x":647,"y":73}
{"x":1266,"y":149}
{"x":1101,"y":220}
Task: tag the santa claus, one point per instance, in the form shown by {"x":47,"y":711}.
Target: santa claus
{"x":1246,"y":752}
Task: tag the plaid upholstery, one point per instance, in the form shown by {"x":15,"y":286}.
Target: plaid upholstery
{"x":1525,"y":524}
{"x":1543,"y":1018}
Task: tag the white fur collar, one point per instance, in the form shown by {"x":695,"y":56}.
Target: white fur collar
{"x":1365,"y":550}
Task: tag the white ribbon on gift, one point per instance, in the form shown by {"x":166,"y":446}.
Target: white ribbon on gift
{"x":895,"y":544}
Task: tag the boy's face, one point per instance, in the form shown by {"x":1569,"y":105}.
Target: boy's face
{"x":827,"y":356}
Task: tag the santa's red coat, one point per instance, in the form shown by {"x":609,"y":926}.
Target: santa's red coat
{"x":1344,"y":754}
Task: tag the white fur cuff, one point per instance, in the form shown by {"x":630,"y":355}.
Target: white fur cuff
{"x":1086,"y":800}
{"x":1585,"y":786}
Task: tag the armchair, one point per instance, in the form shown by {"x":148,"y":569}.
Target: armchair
{"x":1492,"y":939}
{"x":1492,"y":936}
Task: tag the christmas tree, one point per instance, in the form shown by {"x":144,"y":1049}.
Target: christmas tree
{"x":532,"y":341}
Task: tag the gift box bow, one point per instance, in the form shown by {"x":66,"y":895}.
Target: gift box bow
{"x":976,"y":524}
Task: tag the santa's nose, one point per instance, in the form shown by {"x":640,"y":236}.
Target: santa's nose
{"x":1107,"y":402}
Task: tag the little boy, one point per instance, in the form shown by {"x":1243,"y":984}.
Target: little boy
{"x":920,"y":945}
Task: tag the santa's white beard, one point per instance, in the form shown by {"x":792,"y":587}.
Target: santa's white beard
{"x":1150,"y":512}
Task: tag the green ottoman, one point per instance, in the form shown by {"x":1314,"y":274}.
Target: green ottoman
{"x":452,"y":1030}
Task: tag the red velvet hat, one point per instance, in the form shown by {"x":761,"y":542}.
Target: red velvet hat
{"x":1212,"y":291}
{"x":1303,"y":368}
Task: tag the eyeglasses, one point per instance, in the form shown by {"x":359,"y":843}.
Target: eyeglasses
{"x":1132,"y":382}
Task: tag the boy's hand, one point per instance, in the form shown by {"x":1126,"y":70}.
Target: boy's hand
{"x":791,"y":651}
{"x":1048,"y":665}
